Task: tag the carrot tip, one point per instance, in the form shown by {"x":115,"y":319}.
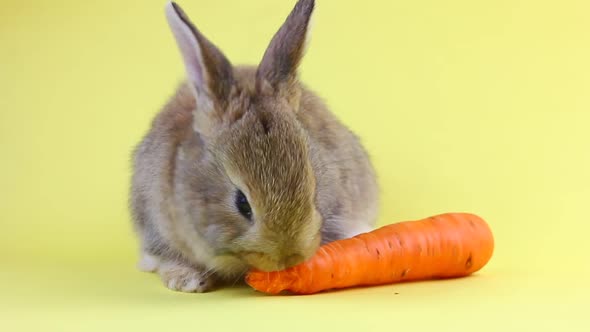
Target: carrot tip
{"x":270,"y":282}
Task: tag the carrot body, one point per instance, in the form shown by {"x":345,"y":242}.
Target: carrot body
{"x":443,"y":246}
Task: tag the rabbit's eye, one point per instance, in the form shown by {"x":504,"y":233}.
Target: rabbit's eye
{"x":243,"y":205}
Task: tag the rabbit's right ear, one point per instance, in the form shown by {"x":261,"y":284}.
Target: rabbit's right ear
{"x":208,"y":71}
{"x":278,"y":67}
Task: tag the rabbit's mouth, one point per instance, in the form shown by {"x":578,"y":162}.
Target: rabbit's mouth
{"x":266,"y":262}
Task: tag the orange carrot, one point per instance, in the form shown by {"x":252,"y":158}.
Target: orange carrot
{"x":444,"y":246}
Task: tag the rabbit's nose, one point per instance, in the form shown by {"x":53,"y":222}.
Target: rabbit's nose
{"x":293,"y":260}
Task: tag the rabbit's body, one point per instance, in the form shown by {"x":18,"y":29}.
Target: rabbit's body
{"x":256,"y":174}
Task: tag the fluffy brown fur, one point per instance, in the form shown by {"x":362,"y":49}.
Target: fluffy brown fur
{"x":255,"y":129}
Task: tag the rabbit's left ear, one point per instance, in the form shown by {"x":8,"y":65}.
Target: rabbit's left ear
{"x":286,"y":49}
{"x":208,"y":71}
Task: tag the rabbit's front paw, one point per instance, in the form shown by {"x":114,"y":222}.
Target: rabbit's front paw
{"x":179,"y":277}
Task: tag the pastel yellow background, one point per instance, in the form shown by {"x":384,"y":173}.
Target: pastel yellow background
{"x":477,"y":106}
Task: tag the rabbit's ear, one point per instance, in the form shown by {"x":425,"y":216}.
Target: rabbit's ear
{"x":208,"y":70}
{"x":283,"y":55}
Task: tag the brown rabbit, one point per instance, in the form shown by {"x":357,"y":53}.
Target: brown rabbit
{"x":245,"y":167}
